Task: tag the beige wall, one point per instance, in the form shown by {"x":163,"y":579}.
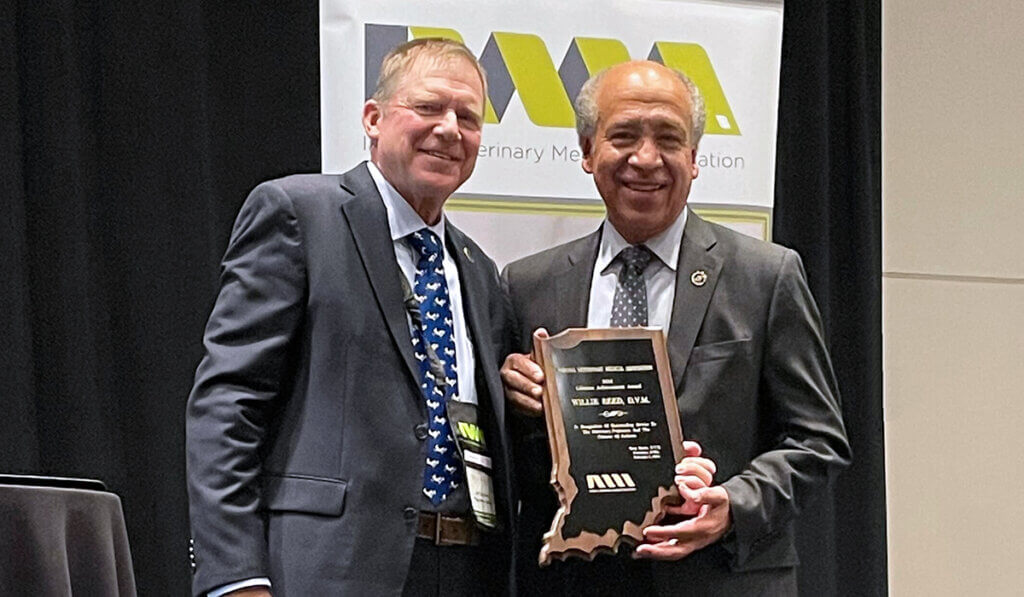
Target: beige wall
{"x":953,"y":295}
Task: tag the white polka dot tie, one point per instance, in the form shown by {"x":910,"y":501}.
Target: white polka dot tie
{"x":629,"y":307}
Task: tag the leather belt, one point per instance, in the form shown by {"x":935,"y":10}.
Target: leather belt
{"x":447,"y":530}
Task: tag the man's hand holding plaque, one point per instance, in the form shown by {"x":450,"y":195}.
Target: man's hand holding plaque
{"x":702,"y":519}
{"x":523,"y":379}
{"x":616,"y":409}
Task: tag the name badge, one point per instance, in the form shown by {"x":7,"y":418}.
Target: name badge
{"x":469,"y":437}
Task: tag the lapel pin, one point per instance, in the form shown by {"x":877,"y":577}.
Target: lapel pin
{"x":698,"y":278}
{"x":465,"y":251}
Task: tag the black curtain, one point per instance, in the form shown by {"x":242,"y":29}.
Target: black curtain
{"x":132,"y":133}
{"x":130,"y":136}
{"x":828,"y":206}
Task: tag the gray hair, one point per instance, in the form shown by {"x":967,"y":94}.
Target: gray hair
{"x":399,"y":60}
{"x":586,"y":107}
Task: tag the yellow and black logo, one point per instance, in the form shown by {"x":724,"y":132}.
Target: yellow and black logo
{"x":520,"y":63}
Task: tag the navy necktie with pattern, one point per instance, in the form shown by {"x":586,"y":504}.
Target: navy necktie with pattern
{"x":442,"y":471}
{"x":629,"y":307}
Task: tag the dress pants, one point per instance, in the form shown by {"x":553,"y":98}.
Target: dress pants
{"x":455,"y":571}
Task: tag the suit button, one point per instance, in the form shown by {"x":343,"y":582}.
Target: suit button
{"x":420,"y":431}
{"x":410,"y":513}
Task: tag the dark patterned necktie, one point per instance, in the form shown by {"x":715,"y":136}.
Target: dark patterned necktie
{"x":629,"y":307}
{"x":442,"y":471}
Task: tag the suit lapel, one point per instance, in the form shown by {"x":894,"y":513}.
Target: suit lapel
{"x":572,"y":284}
{"x":696,"y":254}
{"x":473,"y":270}
{"x":368,"y":221}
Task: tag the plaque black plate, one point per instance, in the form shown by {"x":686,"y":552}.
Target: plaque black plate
{"x":614,"y":432}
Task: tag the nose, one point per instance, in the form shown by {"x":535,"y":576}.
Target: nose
{"x":646,"y":156}
{"x":447,"y":126}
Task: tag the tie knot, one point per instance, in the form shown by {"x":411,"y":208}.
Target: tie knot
{"x":426,"y":243}
{"x":636,"y":257}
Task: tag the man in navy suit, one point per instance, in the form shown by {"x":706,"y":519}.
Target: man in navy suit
{"x":353,"y":326}
{"x":755,"y":388}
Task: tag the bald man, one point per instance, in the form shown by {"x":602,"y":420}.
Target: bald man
{"x":756,"y":393}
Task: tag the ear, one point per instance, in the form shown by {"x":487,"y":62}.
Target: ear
{"x":587,"y":145}
{"x":372,"y":114}
{"x":694,"y":169}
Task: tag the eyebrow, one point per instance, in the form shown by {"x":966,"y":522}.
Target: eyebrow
{"x":631,"y":123}
{"x":428,"y":95}
{"x":657,"y":123}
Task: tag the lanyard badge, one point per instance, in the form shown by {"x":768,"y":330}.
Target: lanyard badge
{"x":469,"y":437}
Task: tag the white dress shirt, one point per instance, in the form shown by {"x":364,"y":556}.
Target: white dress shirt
{"x":659,"y":275}
{"x":403,"y":221}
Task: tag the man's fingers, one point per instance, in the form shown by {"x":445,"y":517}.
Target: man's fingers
{"x":679,"y":531}
{"x":524,"y":366}
{"x":689,"y":488}
{"x":688,"y":465}
{"x":700,"y":468}
{"x":688,"y":508}
{"x":709,"y":497}
{"x":666,"y":550}
{"x":689,"y":482}
{"x":691,"y":448}
{"x":709,"y":523}
{"x":693,"y":475}
{"x":714,"y":497}
{"x":517,"y":382}
{"x":691,"y":528}
{"x":521,"y":378}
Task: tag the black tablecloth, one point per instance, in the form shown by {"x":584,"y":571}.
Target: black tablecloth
{"x":58,"y":541}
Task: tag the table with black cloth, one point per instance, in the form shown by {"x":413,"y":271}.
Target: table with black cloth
{"x":63,"y":541}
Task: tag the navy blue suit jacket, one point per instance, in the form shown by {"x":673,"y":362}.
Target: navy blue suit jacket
{"x":304,"y":464}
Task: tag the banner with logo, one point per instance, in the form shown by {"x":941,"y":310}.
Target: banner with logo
{"x":528,"y":191}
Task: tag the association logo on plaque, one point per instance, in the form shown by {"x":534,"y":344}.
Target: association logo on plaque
{"x":614,"y":433}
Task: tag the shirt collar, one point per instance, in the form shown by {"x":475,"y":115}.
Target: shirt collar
{"x":402,"y":218}
{"x":665,"y":245}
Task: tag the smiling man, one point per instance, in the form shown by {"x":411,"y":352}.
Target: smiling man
{"x":756,"y":394}
{"x":345,"y":431}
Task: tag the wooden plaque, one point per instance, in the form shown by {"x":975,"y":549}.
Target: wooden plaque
{"x":614,"y":433}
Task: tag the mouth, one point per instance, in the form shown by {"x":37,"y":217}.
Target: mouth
{"x":643,"y":187}
{"x":440,"y":155}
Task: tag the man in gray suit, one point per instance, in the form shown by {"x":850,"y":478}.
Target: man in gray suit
{"x":345,"y":431}
{"x":755,"y":388}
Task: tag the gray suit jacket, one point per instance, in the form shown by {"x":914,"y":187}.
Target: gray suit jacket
{"x":304,"y":427}
{"x":753,"y":380}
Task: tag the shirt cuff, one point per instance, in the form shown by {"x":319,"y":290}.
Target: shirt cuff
{"x":242,"y":584}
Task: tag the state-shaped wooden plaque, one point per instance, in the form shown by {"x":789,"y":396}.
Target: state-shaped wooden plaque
{"x":615,"y":436}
